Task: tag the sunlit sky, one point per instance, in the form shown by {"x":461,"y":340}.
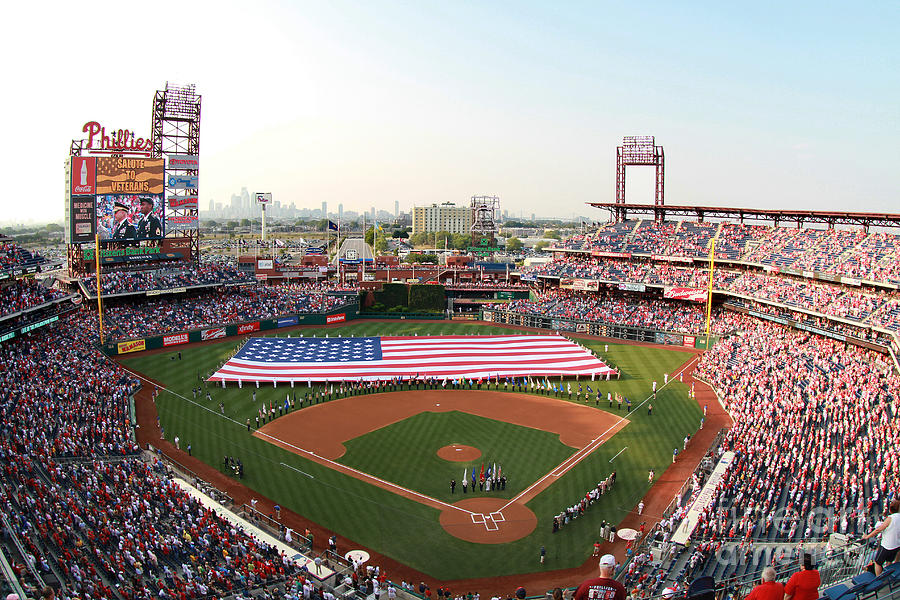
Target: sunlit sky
{"x":774,"y":105}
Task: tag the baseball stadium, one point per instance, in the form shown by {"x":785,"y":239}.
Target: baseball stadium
{"x":701,"y":400}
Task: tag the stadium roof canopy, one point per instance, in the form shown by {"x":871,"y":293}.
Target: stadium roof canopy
{"x":799,"y":217}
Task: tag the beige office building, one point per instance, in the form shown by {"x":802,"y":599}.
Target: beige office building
{"x":442,"y":217}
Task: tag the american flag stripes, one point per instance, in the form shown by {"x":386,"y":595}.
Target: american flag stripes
{"x":386,"y":358}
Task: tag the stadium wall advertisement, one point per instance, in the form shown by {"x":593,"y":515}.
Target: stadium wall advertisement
{"x":131,"y":346}
{"x":346,"y":313}
{"x":174,"y":340}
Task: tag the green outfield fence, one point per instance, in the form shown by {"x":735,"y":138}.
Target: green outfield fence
{"x":345,"y":313}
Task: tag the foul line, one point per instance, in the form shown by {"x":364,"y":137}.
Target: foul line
{"x":580,"y":455}
{"x":313,"y":456}
{"x":296,"y":469}
{"x":618,"y":453}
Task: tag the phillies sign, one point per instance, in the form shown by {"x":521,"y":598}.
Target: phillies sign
{"x":117,"y":141}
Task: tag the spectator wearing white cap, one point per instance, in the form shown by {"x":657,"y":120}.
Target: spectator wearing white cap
{"x":603,"y":587}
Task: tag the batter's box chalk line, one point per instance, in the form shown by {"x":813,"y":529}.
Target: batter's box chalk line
{"x":489,"y":521}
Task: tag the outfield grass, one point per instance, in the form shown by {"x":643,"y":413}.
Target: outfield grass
{"x":404,"y":529}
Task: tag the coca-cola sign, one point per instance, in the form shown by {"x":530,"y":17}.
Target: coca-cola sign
{"x":84,"y":176}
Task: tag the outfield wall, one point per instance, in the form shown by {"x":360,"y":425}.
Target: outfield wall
{"x":348,"y":312}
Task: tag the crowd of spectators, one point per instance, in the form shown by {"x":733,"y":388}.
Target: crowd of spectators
{"x":815,"y":435}
{"x":23,"y":294}
{"x":88,"y":511}
{"x":13,"y":255}
{"x":186,"y":275}
{"x":853,"y":253}
{"x":834,"y":300}
{"x":591,"y":306}
{"x":220,"y":307}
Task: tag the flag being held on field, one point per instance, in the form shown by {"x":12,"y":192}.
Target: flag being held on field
{"x":383,"y":358}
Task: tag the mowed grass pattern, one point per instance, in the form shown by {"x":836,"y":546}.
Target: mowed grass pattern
{"x":406,"y":453}
{"x":401,"y":528}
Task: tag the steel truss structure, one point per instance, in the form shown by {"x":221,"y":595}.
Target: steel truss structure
{"x":485,"y":218}
{"x":641,"y":150}
{"x":798,"y":218}
{"x":176,"y":130}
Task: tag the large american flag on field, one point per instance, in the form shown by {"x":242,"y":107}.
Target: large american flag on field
{"x":385,"y":358}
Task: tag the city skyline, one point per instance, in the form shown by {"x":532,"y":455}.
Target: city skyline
{"x":391,"y":105}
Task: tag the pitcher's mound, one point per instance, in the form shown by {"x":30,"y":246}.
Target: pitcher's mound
{"x":459,"y":453}
{"x":482,"y":521}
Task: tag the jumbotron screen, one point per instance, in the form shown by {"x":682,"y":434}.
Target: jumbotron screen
{"x":119,"y":198}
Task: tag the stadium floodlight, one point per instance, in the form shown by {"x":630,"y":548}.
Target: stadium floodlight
{"x":640,"y":150}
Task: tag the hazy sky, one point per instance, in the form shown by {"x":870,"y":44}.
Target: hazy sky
{"x":784,"y":104}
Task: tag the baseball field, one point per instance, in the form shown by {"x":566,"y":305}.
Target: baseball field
{"x":376,"y":468}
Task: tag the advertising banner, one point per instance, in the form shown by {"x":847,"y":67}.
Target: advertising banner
{"x":84,"y":176}
{"x":183,"y":182}
{"x":128,"y":175}
{"x":178,"y":290}
{"x":131,"y":346}
{"x":213,"y":333}
{"x":632,"y":287}
{"x":670,"y":339}
{"x":265,"y":264}
{"x":182,"y":202}
{"x":487,"y":315}
{"x":182,"y":222}
{"x":82,"y":218}
{"x":336,"y":318}
{"x":287,"y":321}
{"x":603,"y":254}
{"x":567,"y":284}
{"x":666,"y":258}
{"x":184,"y":162}
{"x":689,"y":341}
{"x":685,"y":293}
{"x":263,"y":198}
{"x":175,"y":339}
{"x":248,"y":327}
{"x":851,"y":281}
{"x":586,"y":285}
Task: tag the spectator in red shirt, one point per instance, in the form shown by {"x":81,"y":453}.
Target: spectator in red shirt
{"x":603,"y":587}
{"x":804,"y":584}
{"x":769,"y":589}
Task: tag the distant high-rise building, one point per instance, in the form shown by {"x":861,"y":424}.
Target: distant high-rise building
{"x":442,"y":217}
{"x":340,"y":212}
{"x":235,"y":204}
{"x":372,"y":213}
{"x":245,"y":200}
{"x":324,"y":210}
{"x":212,"y":207}
{"x":396,"y":208}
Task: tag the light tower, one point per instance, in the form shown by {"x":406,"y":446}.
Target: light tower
{"x":640,"y":150}
{"x":176,"y":136}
